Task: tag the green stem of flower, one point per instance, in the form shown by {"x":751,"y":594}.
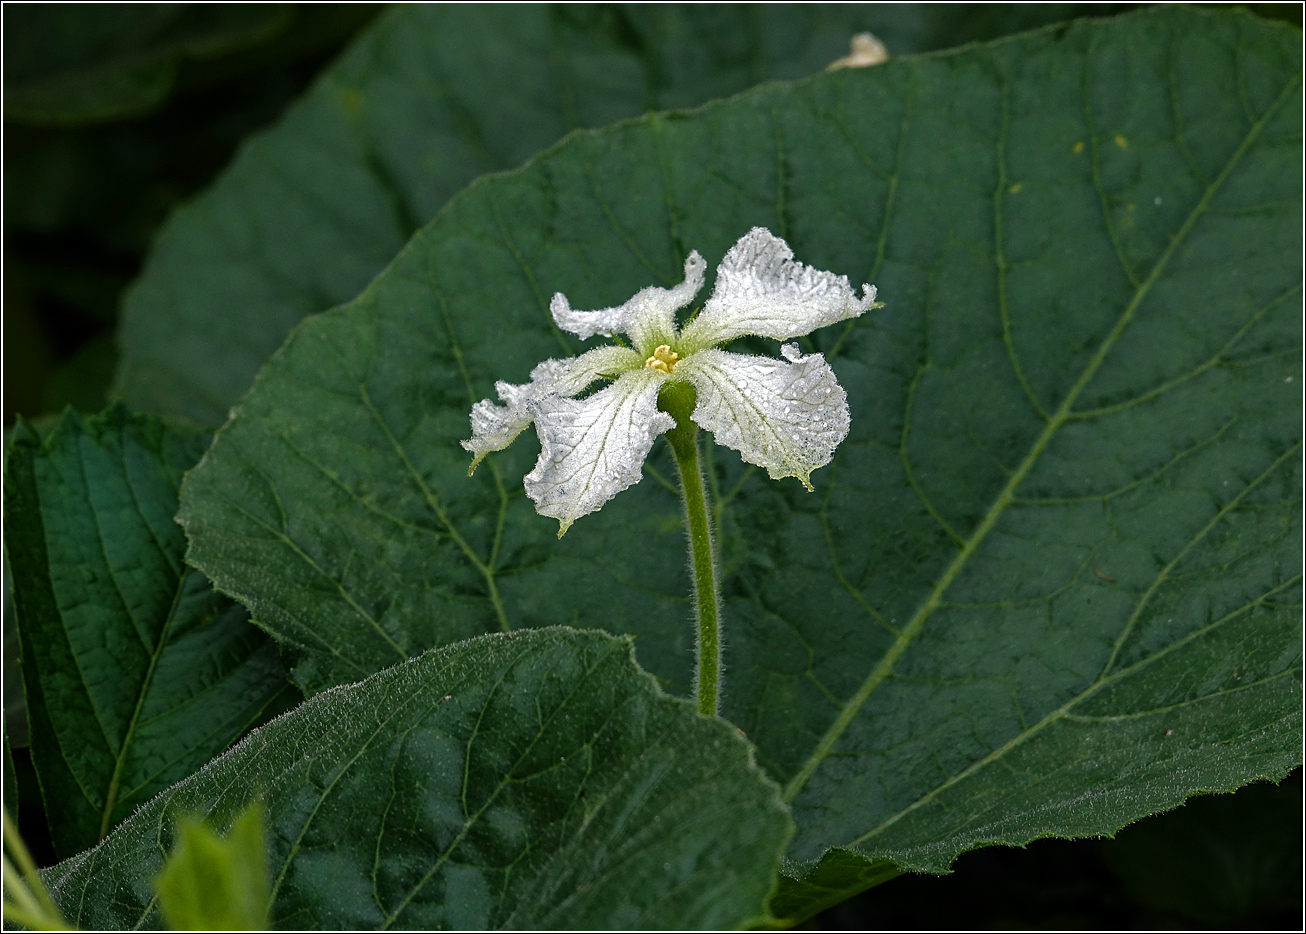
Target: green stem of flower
{"x":677,"y":400}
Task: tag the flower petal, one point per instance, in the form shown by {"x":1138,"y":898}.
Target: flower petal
{"x":761,"y":290}
{"x":593,"y":448}
{"x":785,"y":415}
{"x":494,"y":427}
{"x":649,"y":318}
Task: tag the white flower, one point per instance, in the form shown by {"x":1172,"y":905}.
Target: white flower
{"x":785,"y":415}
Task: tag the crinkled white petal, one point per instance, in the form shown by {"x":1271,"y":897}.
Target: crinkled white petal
{"x":593,"y":448}
{"x":760,"y":289}
{"x":649,"y":318}
{"x":785,"y":415}
{"x":494,"y":427}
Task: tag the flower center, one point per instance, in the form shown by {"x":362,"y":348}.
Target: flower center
{"x":663,"y":359}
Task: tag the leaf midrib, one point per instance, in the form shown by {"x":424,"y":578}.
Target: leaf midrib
{"x":156,"y":651}
{"x":115,"y":780}
{"x":1007,"y":494}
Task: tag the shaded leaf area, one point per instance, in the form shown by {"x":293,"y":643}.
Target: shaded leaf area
{"x":10,"y":777}
{"x":136,"y":673}
{"x":1219,"y":862}
{"x":839,"y":875}
{"x":955,"y":24}
{"x":15,"y":708}
{"x":429,"y":98}
{"x":84,"y":202}
{"x":70,"y":64}
{"x":531,"y":780}
{"x":1050,"y":583}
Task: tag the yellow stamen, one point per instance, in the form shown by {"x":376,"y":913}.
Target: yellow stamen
{"x":663,"y":359}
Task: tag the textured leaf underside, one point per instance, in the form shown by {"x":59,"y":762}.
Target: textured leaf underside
{"x":1050,"y":583}
{"x":535,"y":780}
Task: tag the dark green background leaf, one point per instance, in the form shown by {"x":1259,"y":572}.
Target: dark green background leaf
{"x":136,"y":672}
{"x":428,"y":99}
{"x":10,"y":778}
{"x":1050,"y":583}
{"x":83,"y":203}
{"x":15,"y":707}
{"x":70,"y":64}
{"x":531,"y":780}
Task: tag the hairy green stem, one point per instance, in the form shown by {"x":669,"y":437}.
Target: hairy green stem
{"x":677,"y":400}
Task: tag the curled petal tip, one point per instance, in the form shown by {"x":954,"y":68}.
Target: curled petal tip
{"x":866,"y":302}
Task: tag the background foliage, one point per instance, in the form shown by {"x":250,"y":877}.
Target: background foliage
{"x":71,"y":256}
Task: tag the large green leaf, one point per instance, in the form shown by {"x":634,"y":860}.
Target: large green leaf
{"x":136,"y":672}
{"x":1050,"y":583}
{"x":428,"y":99}
{"x":537,"y":779}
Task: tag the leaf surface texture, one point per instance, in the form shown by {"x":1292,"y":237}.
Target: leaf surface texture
{"x":534,"y":780}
